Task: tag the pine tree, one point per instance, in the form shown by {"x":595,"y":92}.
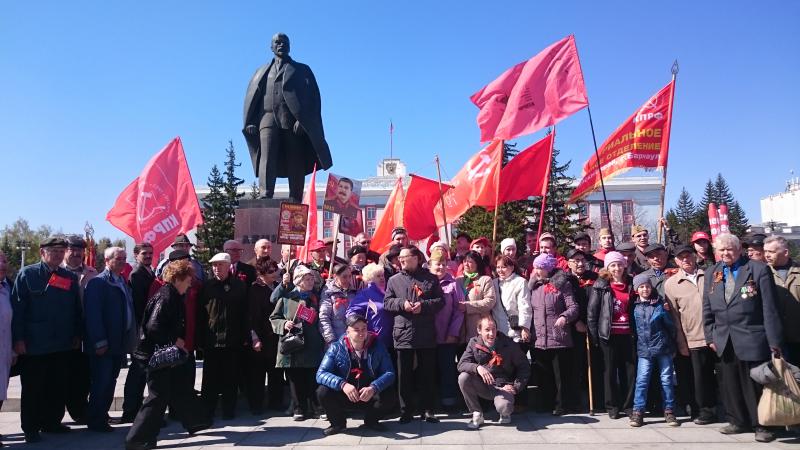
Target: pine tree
{"x":217,"y":221}
{"x":683,"y":217}
{"x":737,"y":220}
{"x":255,"y":191}
{"x":232,"y":182}
{"x":709,"y":196}
{"x":719,"y":193}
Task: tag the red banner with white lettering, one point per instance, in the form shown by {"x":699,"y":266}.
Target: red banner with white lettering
{"x":161,"y":203}
{"x":641,"y":141}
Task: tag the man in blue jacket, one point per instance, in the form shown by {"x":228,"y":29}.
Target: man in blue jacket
{"x":355,"y":374}
{"x":110,"y":334}
{"x":45,"y":328}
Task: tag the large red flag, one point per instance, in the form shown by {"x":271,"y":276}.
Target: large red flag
{"x":421,"y":199}
{"x":310,"y":199}
{"x":641,"y":141}
{"x":161,"y":203}
{"x":475,"y":184}
{"x":527,"y":174}
{"x":392,"y":217}
{"x":533,"y":94}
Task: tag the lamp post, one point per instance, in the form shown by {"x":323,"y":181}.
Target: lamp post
{"x":23,"y":246}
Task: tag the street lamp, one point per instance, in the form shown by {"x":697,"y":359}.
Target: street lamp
{"x":23,"y":246}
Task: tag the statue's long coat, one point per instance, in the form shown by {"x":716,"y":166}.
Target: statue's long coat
{"x":301,"y":94}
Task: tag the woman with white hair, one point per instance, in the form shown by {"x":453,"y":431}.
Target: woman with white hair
{"x":368,"y":303}
{"x":300,"y":309}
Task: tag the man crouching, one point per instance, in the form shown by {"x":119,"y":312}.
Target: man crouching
{"x":356,"y":373}
{"x":493,"y":367}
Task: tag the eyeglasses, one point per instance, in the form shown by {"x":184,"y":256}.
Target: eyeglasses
{"x":365,"y":242}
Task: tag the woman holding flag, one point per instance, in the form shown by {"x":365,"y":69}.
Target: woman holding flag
{"x":295,"y":312}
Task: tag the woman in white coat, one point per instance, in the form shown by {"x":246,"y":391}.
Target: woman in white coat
{"x":513,"y":312}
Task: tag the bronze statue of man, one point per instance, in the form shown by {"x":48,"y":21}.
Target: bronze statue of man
{"x":283,"y":123}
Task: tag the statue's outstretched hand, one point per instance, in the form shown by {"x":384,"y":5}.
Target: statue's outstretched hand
{"x":252,"y":130}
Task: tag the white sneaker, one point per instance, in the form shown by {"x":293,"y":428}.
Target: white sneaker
{"x":504,"y":420}
{"x":476,"y":422}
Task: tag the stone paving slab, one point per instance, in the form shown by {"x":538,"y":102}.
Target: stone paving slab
{"x":581,"y":432}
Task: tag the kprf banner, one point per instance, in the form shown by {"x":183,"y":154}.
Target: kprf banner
{"x":342,"y":196}
{"x":641,"y":141}
{"x":293,"y":223}
{"x":161,"y":202}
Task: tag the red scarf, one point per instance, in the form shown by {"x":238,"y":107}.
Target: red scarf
{"x":496,"y":359}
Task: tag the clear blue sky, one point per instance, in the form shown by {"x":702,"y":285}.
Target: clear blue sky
{"x":89,"y":91}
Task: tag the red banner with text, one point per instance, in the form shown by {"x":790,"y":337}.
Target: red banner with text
{"x":641,"y":141}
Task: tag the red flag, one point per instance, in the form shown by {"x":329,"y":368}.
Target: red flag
{"x":307,"y":314}
{"x":392,"y":217}
{"x":421,"y":198}
{"x":533,"y":94}
{"x":641,"y":141}
{"x":527,"y":174}
{"x":310,"y":199}
{"x":475,"y":184}
{"x":161,"y":203}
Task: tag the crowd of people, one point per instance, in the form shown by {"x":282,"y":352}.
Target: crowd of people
{"x":633,"y":328}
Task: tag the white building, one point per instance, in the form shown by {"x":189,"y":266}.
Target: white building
{"x":784,"y":207}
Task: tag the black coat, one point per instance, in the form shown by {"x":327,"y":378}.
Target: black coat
{"x":750,"y":323}
{"x":163,"y":322}
{"x":222,"y":314}
{"x":514,"y":369}
{"x":141,"y":280}
{"x":301,"y":93}
{"x":246,"y":273}
{"x":414,"y":330}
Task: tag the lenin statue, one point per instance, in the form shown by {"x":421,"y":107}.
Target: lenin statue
{"x":283,"y":123}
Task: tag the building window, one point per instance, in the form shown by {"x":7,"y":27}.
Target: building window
{"x":370,"y":232}
{"x":627,"y":214}
{"x":603,"y":214}
{"x":327,"y":232}
{"x":327,"y":215}
{"x":583,"y":211}
{"x":372,"y":212}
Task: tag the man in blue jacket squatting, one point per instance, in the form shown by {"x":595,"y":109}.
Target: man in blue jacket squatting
{"x":356,"y":373}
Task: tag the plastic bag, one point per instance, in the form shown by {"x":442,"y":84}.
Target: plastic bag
{"x":780,"y":402}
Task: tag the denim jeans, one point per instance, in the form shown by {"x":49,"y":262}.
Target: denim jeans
{"x":644,"y":368}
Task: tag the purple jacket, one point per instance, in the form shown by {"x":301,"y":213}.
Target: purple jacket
{"x":550,"y":301}
{"x":449,"y":319}
{"x":379,"y":321}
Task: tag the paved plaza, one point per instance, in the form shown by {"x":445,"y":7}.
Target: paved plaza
{"x":277,"y":430}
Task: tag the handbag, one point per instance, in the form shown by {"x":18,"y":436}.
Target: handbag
{"x":779,"y":404}
{"x":292,"y":342}
{"x":166,"y":357}
{"x":513,"y":321}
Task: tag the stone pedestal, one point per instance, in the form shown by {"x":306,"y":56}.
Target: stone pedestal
{"x":257,"y":219}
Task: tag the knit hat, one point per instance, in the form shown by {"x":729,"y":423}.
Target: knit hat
{"x":299,"y":272}
{"x":507,"y":242}
{"x":545,"y":261}
{"x":615,"y":257}
{"x":640,"y":279}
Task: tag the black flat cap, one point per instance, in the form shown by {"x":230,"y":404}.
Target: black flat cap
{"x":53,"y":241}
{"x":571,"y":254}
{"x":653,"y":247}
{"x":684,"y":248}
{"x":178,"y":255}
{"x":626,"y":247}
{"x":76,"y":241}
{"x":582,"y":236}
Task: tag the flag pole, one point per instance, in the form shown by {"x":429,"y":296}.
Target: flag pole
{"x":497,"y":197}
{"x":337,"y":221}
{"x":441,"y":199}
{"x":599,"y":170}
{"x":391,"y":139}
{"x":674,"y":71}
{"x":546,"y":186}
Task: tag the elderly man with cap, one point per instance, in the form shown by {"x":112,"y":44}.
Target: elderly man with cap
{"x":701,"y":243}
{"x":46,"y":326}
{"x":183,"y":243}
{"x":110,"y":334}
{"x":222,"y":333}
{"x":742,"y":324}
{"x":755,"y":247}
{"x":582,"y":279}
{"x":640,"y":237}
{"x":606,"y":243}
{"x":239,"y":268}
{"x":77,"y":397}
{"x":786,"y":274}
{"x":684,"y":292}
{"x":140,"y":281}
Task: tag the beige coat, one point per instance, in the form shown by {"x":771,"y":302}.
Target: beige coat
{"x":789,"y":302}
{"x":479,"y":301}
{"x":686,"y":306}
